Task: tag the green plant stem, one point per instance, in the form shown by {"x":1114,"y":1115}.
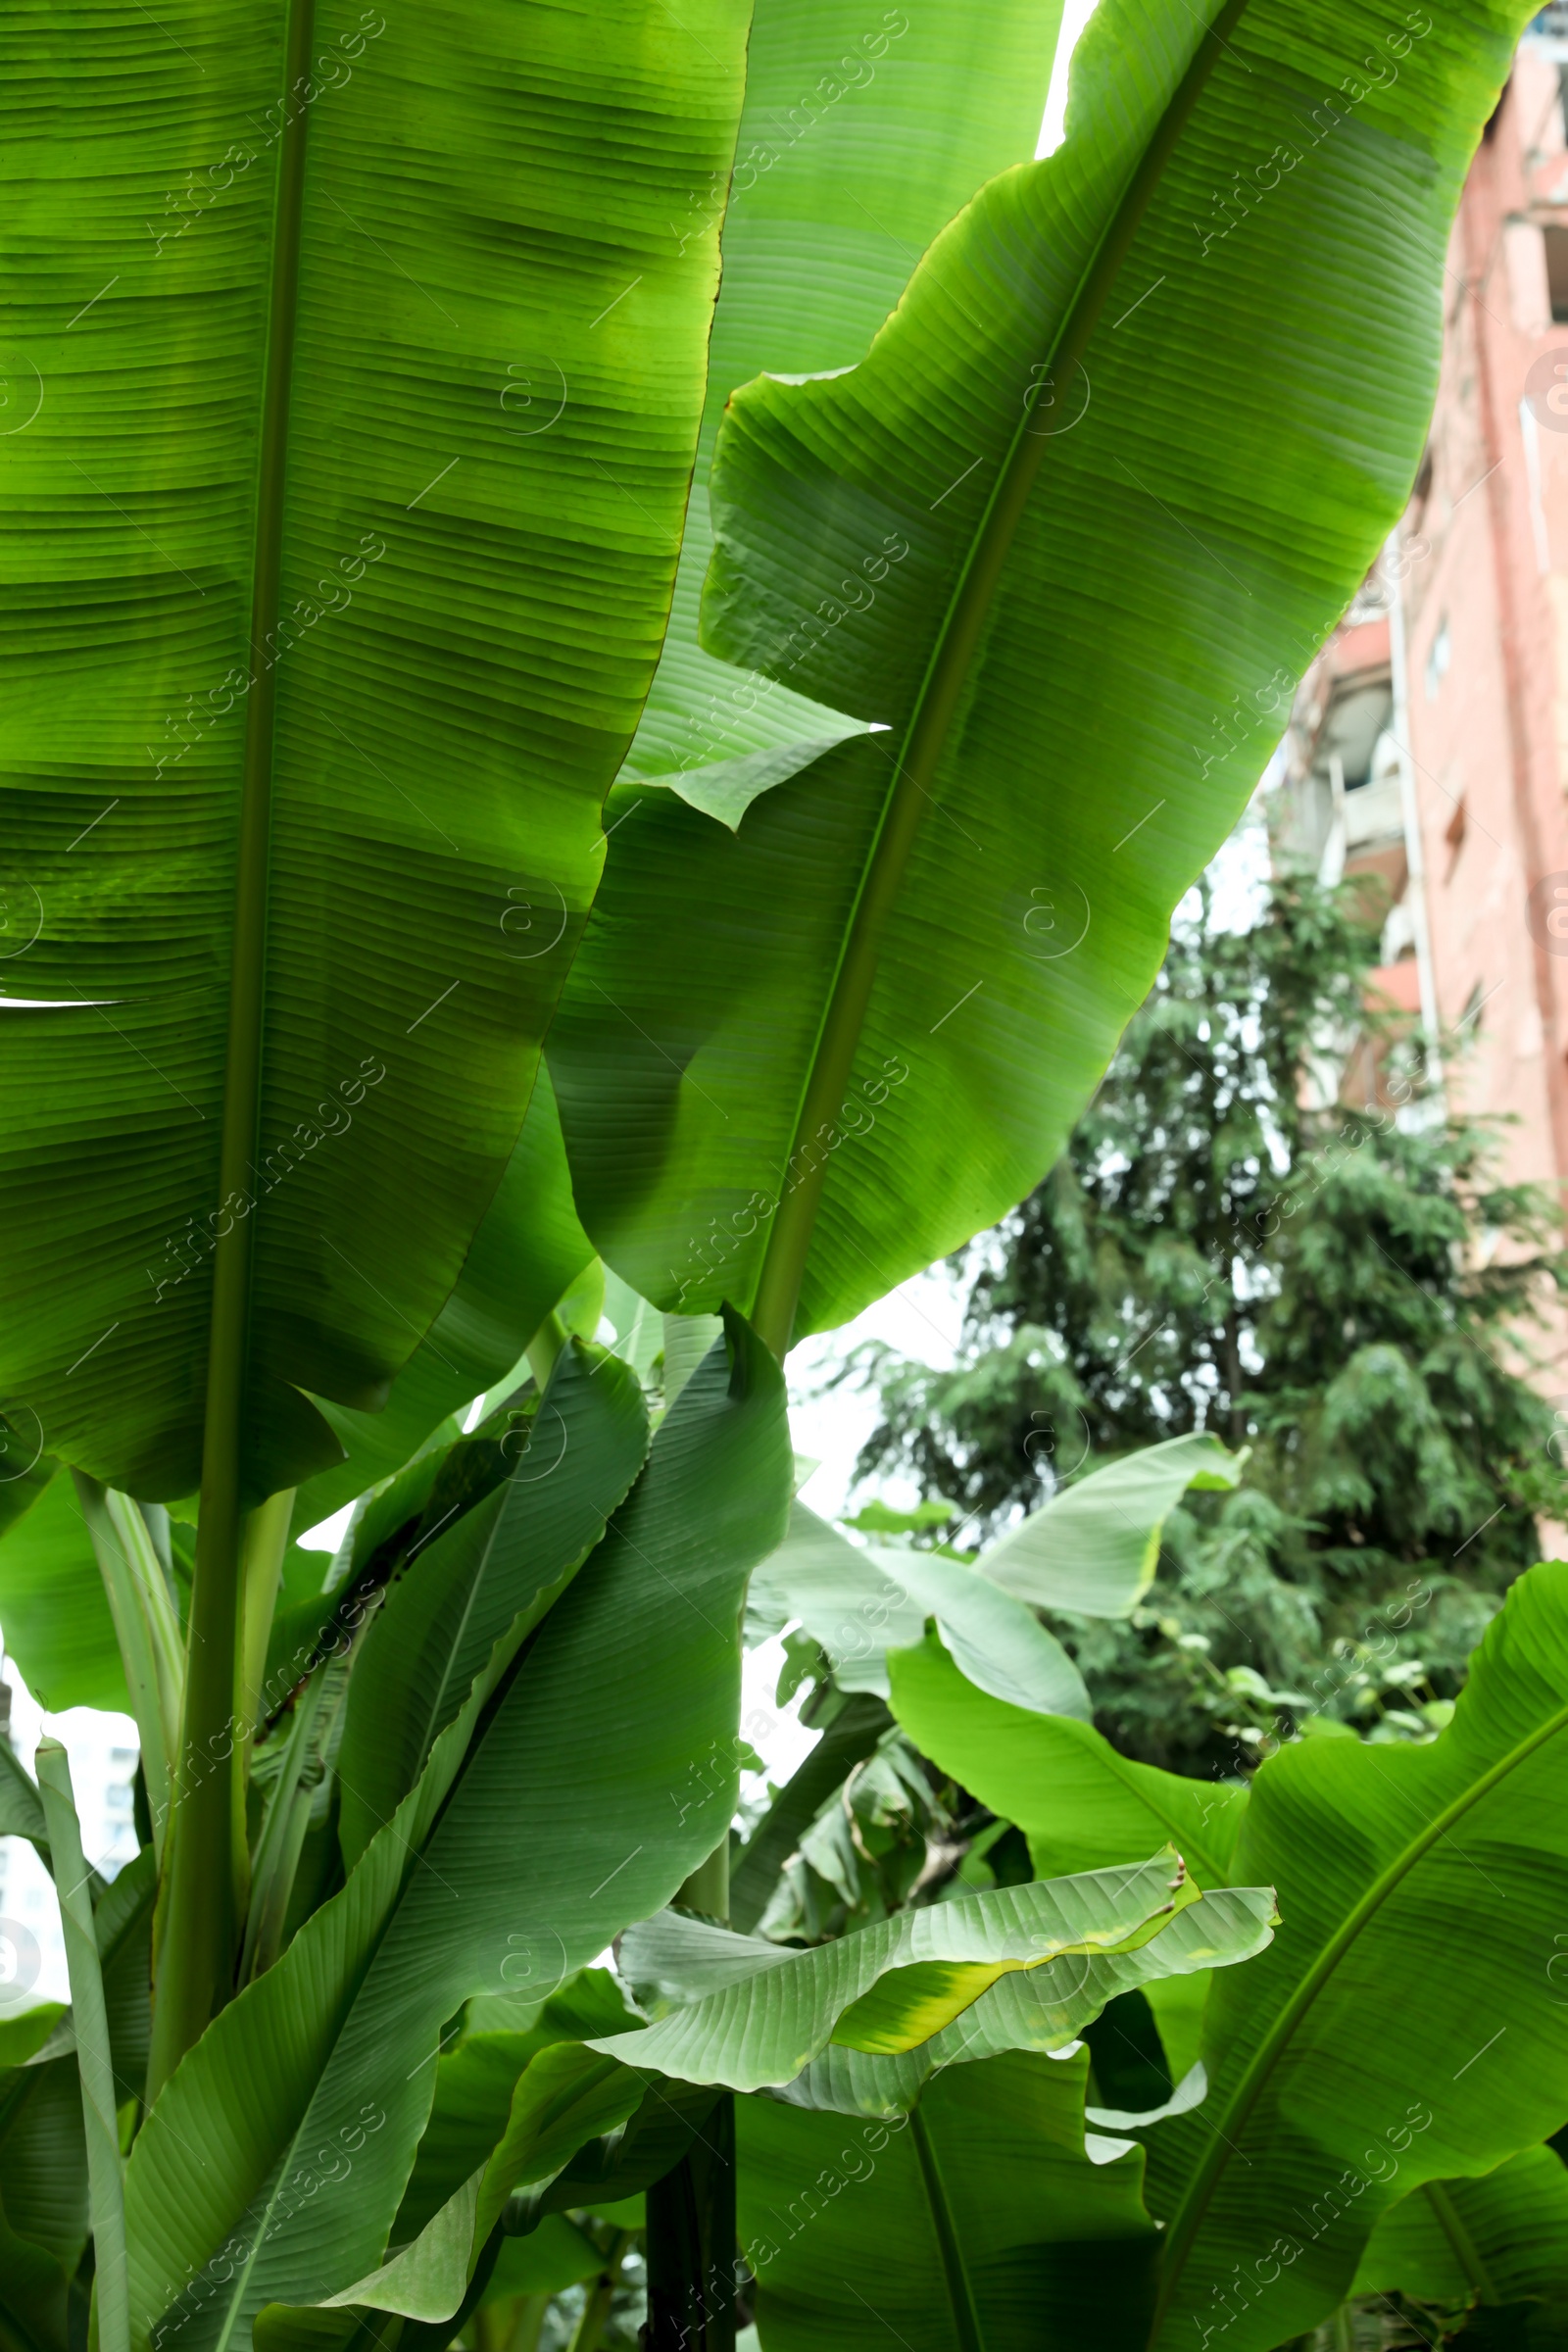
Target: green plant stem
{"x":1226,"y":2131}
{"x":936,"y":703}
{"x":966,"y":2336}
{"x":691,"y":2240}
{"x":106,"y":2181}
{"x":196,"y":1956}
{"x":1466,"y":2252}
{"x":600,"y":2294}
{"x":1345,"y":2329}
{"x":691,"y":2213}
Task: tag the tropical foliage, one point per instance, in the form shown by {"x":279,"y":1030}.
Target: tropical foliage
{"x":399,"y":994}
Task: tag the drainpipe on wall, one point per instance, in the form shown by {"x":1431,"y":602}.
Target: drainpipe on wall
{"x":1415,"y":862}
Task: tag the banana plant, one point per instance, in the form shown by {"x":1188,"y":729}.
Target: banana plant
{"x":356,"y":376}
{"x":1062,"y":555}
{"x":1351,"y":2066}
{"x":981,"y":2223}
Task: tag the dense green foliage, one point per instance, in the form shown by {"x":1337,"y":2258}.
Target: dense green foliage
{"x":305,"y":1208}
{"x":1342,"y":1288}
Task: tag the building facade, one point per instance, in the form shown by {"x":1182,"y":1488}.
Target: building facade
{"x":1429,"y":742}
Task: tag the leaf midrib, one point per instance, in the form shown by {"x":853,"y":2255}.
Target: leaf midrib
{"x":195,"y":1968}
{"x":1194,"y":2204}
{"x":937,"y":698}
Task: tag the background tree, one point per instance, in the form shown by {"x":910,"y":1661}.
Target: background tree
{"x":1230,"y":1241}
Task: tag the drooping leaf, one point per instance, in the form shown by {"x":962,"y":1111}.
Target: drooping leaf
{"x":20,"y":1807}
{"x":1094,"y":1548}
{"x":338,"y":572}
{"x":891,"y":1986}
{"x":1040,"y":2008}
{"x":44,"y":2199}
{"x":1080,"y":1804}
{"x":860,"y":1604}
{"x":514,"y":1553}
{"x":1047,"y":534}
{"x":548,"y":1843}
{"x":838,"y":2220}
{"x":1357,"y":2059}
{"x":1502,"y":2237}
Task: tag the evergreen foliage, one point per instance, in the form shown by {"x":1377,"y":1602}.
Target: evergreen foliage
{"x":1234,"y":1241}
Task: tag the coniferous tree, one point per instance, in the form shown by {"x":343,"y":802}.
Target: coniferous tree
{"x":1259,"y":1227}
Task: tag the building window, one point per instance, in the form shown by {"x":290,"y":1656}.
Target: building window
{"x":1555,"y":240}
{"x":1438,"y":660}
{"x":1453,"y":835}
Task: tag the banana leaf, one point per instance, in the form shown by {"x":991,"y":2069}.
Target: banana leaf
{"x":1080,"y":1803}
{"x":515,"y":1550}
{"x":767,"y":2011}
{"x":291,"y":2127}
{"x":998,"y":2235}
{"x":681,"y":1962}
{"x":328,"y":631}
{"x":1500,"y":2238}
{"x":1069,"y":534}
{"x":53,"y":1608}
{"x":43,"y":2201}
{"x":1402,"y":2026}
{"x":1093,"y":1548}
{"x":476,"y":2078}
{"x":861,"y":135}
{"x":861,"y":1603}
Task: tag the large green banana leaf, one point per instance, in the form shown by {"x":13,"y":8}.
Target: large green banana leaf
{"x":1042,"y":2007}
{"x":863,"y":134}
{"x":513,"y":1553}
{"x":339,"y":543}
{"x":1080,"y":1804}
{"x":764,"y":2013}
{"x":1402,"y":2027}
{"x":292,"y":2124}
{"x":888,"y":995}
{"x":1499,"y":2238}
{"x":861,"y":2237}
